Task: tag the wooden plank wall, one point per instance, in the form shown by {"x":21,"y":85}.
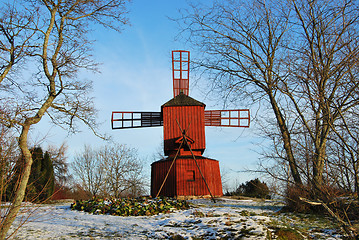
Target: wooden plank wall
{"x":192,"y":116}
{"x":159,"y":170}
{"x":185,"y":178}
{"x":187,"y":187}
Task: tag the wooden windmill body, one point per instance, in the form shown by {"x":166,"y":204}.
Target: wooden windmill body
{"x":185,"y":172}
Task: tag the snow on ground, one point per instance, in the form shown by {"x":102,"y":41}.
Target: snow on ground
{"x":226,"y":219}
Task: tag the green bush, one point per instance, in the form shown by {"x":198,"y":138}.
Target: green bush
{"x":253,"y":188}
{"x":141,"y":206}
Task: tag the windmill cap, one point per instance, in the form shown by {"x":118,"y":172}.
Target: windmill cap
{"x":183,"y":100}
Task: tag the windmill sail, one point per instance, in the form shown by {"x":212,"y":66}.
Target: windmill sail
{"x":120,"y":120}
{"x":227,"y":118}
{"x":180,"y":72}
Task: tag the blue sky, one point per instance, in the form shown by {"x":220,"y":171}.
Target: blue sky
{"x":136,"y":76}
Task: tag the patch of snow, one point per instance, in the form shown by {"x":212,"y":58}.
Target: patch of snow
{"x":224,"y":219}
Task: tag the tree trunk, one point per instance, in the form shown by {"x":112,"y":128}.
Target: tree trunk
{"x":318,"y":168}
{"x":286,"y":140}
{"x":20,"y":190}
{"x":320,"y":146}
{"x":319,"y":160}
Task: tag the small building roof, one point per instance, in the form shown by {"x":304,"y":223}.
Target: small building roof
{"x":183,"y":100}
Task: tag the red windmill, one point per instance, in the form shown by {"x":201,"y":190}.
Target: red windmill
{"x":185,"y":172}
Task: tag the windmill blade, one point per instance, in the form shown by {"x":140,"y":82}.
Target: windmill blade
{"x":121,"y":120}
{"x":180,"y":72}
{"x":227,"y":118}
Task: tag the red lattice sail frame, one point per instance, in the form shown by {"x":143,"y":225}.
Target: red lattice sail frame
{"x":180,"y":72}
{"x":121,"y":120}
{"x":227,"y":118}
{"x":219,"y":118}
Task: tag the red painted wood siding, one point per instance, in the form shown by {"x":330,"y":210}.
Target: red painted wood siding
{"x":192,"y":116}
{"x":185,"y":179}
{"x":159,"y":170}
{"x":210,"y":169}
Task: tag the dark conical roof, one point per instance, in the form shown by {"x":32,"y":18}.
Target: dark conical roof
{"x":183,"y":100}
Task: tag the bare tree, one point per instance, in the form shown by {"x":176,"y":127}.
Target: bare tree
{"x":242,"y":46}
{"x":343,"y":154}
{"x":299,"y":56}
{"x":17,"y":39}
{"x":90,"y":169}
{"x":113,"y":170}
{"x":57,"y":32}
{"x":59,"y":161}
{"x":123,"y":170}
{"x":323,"y":71}
{"x":8,"y":156}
